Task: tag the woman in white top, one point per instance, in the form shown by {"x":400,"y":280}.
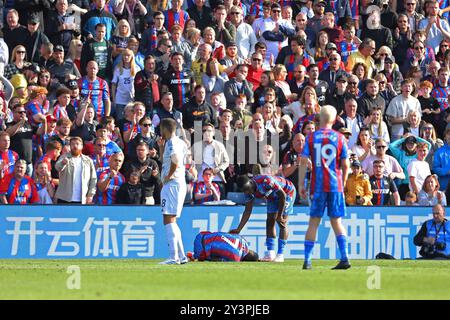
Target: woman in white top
{"x":365,"y":145}
{"x":271,"y":118}
{"x":376,"y":125}
{"x":122,"y":84}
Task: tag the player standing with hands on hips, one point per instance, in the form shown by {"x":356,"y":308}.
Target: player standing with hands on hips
{"x":173,"y":192}
{"x":328,"y":152}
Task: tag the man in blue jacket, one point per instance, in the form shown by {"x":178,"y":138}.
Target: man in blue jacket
{"x":434,"y":236}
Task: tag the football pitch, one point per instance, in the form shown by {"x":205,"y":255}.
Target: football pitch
{"x":145,"y":279}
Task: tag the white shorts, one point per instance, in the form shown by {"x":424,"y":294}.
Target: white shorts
{"x":172,"y":198}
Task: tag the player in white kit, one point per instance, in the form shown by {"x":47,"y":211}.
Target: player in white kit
{"x":173,"y":192}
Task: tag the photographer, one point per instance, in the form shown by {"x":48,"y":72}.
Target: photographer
{"x":434,"y":236}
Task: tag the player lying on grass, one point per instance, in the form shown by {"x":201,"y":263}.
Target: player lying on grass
{"x":280,"y":194}
{"x":221,"y":246}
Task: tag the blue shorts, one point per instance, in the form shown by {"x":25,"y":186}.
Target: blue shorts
{"x":334,"y":201}
{"x":272,"y":206}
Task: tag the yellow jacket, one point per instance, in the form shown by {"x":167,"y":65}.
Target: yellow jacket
{"x":358,"y":185}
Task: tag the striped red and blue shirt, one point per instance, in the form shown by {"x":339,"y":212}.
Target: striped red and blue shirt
{"x":326,"y":148}
{"x":97,"y":91}
{"x":267,"y":187}
{"x":220,"y":246}
{"x":8,"y":159}
{"x":200,"y":188}
{"x":101,"y":163}
{"x":346,"y":49}
{"x":19,"y":192}
{"x":110,"y":194}
{"x":441,"y":95}
{"x":33,"y":108}
{"x":172,"y":18}
{"x":60,"y":112}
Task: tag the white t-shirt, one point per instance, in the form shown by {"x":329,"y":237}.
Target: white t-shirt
{"x":175,"y":146}
{"x":125,"y":85}
{"x":419,"y":170}
{"x":400,"y":107}
{"x":77,"y":179}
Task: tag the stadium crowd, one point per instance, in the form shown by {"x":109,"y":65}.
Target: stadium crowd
{"x":85,"y":85}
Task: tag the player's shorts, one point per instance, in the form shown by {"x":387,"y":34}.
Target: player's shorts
{"x":272,"y":206}
{"x":334,"y":201}
{"x":173,"y":195}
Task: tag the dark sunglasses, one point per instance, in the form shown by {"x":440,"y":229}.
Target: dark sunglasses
{"x":101,"y":145}
{"x":333,"y":59}
{"x":279,"y":11}
{"x":419,"y":48}
{"x":146,"y":125}
{"x":21,"y":51}
{"x":21,"y":112}
{"x":410,"y":4}
{"x":256,"y":59}
{"x":235,"y":13}
{"x":381,"y":147}
{"x":353,"y":83}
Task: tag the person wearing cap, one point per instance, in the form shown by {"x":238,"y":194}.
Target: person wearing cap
{"x":346,"y":132}
{"x":61,"y":67}
{"x":32,"y":38}
{"x":405,"y":151}
{"x":337,"y":96}
{"x":357,"y":189}
{"x":334,"y":70}
{"x":245,"y":35}
{"x":364,"y":55}
{"x":394,"y":77}
{"x":275,"y":32}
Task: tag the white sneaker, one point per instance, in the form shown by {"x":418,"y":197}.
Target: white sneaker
{"x":279,"y":258}
{"x":184,"y":260}
{"x":269,"y":256}
{"x":171,"y":261}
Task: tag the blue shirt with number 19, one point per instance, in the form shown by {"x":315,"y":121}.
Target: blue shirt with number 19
{"x":326,"y":148}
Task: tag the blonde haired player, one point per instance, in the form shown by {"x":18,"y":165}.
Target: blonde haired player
{"x":173,"y":192}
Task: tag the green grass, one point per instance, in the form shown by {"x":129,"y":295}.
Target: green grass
{"x":145,"y":279}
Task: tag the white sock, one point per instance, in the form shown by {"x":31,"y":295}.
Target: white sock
{"x":179,"y":242}
{"x":172,"y":240}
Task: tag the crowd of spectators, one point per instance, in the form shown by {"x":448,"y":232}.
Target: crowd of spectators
{"x":84,"y":86}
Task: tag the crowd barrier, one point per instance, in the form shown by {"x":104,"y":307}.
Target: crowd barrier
{"x":58,"y":232}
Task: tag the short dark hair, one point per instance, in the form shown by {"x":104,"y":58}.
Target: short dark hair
{"x":312,"y":65}
{"x":98,"y":25}
{"x":250,"y":256}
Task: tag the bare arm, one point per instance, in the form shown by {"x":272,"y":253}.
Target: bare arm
{"x":245,"y":217}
